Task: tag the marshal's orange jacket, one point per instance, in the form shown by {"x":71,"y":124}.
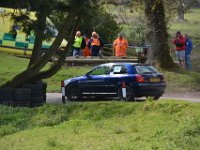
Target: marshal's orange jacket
{"x":120,"y":46}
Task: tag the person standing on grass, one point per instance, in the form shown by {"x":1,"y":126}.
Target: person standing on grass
{"x":95,"y":44}
{"x":179,"y":42}
{"x":120,"y":45}
{"x":188,"y":51}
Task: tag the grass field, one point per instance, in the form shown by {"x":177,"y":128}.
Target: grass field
{"x":166,"y":125}
{"x":191,"y":26}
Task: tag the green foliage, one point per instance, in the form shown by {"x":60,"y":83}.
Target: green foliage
{"x":93,"y":18}
{"x":103,"y":23}
{"x":7,"y":129}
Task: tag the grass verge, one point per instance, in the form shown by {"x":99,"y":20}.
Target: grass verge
{"x":102,"y":125}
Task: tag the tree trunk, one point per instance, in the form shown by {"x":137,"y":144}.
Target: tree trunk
{"x":56,"y":67}
{"x":29,"y":73}
{"x":40,"y":28}
{"x":38,"y":40}
{"x":181,"y":11}
{"x":157,"y":34}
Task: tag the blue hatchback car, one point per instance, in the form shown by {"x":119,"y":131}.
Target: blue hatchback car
{"x":123,"y":80}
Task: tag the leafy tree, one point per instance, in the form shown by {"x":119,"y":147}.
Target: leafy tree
{"x":155,"y":13}
{"x":69,"y":26}
{"x":156,"y":30}
{"x":180,"y":7}
{"x":95,"y":18}
{"x":72,"y":18}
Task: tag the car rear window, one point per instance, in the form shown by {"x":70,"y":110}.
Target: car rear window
{"x":145,"y":69}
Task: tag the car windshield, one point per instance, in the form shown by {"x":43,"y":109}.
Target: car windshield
{"x":145,"y":69}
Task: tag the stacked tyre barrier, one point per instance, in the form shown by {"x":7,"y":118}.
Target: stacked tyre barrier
{"x":30,"y":95}
{"x":22,"y":97}
{"x":6,"y":96}
{"x":38,"y":93}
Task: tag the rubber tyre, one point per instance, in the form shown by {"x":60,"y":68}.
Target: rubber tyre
{"x":22,"y":98}
{"x":72,"y":93}
{"x":44,"y":85}
{"x":37,"y":100}
{"x":37,"y":86}
{"x":37,"y":104}
{"x":38,"y":93}
{"x":5,"y":91}
{"x":130,"y":94}
{"x":6,"y":97}
{"x":156,"y":97}
{"x":7,"y":102}
{"x":22,"y":104}
{"x":22,"y":91}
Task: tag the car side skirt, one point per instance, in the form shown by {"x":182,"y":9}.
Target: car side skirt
{"x":93,"y":93}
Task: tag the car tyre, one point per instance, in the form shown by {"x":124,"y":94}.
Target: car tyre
{"x":129,"y":92}
{"x":156,"y":97}
{"x":72,"y":93}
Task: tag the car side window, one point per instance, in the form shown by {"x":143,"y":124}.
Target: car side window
{"x":119,"y":69}
{"x":101,"y":70}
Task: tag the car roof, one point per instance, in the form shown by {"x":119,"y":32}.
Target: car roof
{"x":125,"y":63}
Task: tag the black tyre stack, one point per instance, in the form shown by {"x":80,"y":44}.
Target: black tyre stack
{"x":22,"y":97}
{"x":38,"y":93}
{"x":6,"y":96}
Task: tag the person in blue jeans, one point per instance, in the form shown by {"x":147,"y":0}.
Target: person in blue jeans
{"x":77,"y":44}
{"x":188,"y":50}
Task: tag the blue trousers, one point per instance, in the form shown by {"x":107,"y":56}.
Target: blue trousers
{"x":77,"y":52}
{"x":188,"y":62}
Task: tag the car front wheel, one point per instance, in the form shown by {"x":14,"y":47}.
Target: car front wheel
{"x":128,"y":95}
{"x":72,"y":93}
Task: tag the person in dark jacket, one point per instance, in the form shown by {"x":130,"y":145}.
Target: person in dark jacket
{"x":95,"y":44}
{"x":188,"y":50}
{"x":179,"y":42}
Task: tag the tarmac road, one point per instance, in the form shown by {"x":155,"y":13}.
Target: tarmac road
{"x":188,"y":96}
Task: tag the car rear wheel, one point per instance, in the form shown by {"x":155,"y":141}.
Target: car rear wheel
{"x":156,"y":97}
{"x":129,"y":94}
{"x":72,"y":93}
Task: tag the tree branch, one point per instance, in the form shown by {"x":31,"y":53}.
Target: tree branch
{"x":56,"y":67}
{"x":30,"y":72}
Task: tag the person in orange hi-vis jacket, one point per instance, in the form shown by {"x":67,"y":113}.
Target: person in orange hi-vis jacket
{"x":86,"y":50}
{"x":120,"y":45}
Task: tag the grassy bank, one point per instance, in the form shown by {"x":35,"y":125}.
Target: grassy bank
{"x":102,"y":125}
